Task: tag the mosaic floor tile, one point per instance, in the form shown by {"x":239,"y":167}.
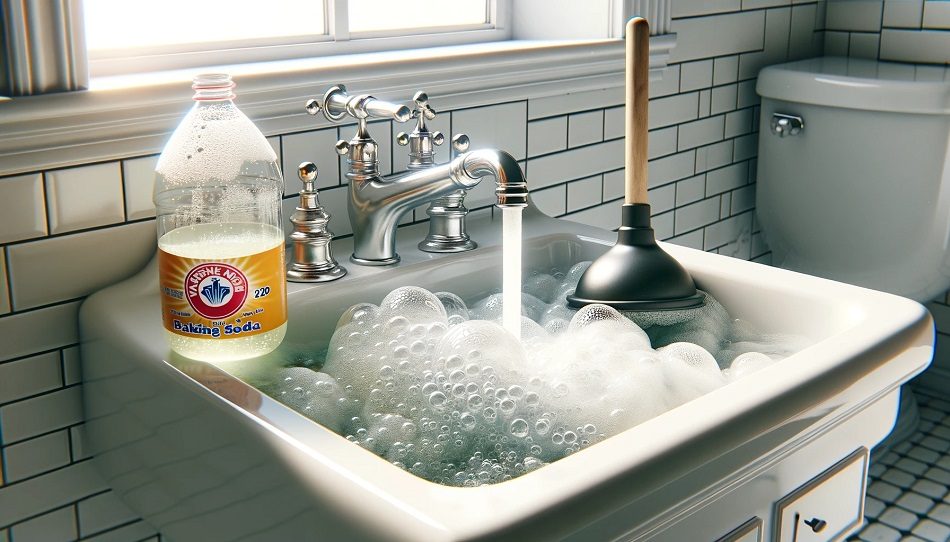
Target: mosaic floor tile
{"x":909,"y":486}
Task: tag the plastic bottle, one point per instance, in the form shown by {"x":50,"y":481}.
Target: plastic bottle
{"x":221,"y":247}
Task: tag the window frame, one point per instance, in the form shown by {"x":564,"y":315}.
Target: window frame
{"x":336,"y":39}
{"x":129,"y":116}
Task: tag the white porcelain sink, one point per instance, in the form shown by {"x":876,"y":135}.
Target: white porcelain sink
{"x":204,"y":456}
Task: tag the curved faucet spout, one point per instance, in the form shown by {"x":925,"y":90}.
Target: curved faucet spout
{"x":511,"y":189}
{"x":377,"y":203}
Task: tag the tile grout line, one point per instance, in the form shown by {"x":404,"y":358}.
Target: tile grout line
{"x":80,"y":231}
{"x":34,"y":396}
{"x":8,"y":279}
{"x":122,"y":192}
{"x":35,"y":354}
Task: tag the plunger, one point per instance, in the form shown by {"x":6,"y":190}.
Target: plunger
{"x":636,"y":274}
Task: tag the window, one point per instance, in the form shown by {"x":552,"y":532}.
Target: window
{"x":382,"y":15}
{"x":48,"y":47}
{"x":537,"y":48}
{"x":120,"y":25}
{"x":127,"y":37}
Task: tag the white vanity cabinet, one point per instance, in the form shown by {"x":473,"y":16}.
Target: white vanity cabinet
{"x":809,"y":492}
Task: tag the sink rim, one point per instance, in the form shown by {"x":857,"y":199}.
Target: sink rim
{"x":448,"y":512}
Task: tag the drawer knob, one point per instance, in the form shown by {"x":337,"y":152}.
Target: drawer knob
{"x":817,"y":525}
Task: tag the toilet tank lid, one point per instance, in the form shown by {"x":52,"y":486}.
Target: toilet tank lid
{"x":859,"y":84}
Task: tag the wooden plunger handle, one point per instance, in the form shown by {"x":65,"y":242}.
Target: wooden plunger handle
{"x":637,"y":98}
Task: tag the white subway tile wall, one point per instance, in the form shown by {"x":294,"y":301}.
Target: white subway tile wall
{"x":316,"y":147}
{"x":904,"y":14}
{"x":138,"y":177}
{"x":585,"y":128}
{"x":39,"y":275}
{"x":68,"y":232}
{"x":854,"y":15}
{"x":931,"y":46}
{"x":84,"y":197}
{"x":937,"y":14}
{"x":548,"y":135}
{"x":899,"y":30}
{"x":22,"y":211}
{"x":502,"y":126}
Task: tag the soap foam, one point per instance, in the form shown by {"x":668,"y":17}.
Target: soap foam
{"x":443,"y":391}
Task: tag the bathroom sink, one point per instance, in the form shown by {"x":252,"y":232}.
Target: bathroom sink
{"x":202,"y":455}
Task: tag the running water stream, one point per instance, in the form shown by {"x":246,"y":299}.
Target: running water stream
{"x":511,"y":270}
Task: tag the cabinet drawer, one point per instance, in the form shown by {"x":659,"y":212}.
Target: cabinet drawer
{"x":826,"y":507}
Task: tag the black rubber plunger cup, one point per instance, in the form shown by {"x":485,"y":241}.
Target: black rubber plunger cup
{"x":636,"y":274}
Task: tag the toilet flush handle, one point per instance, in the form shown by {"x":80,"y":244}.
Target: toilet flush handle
{"x":783,"y":125}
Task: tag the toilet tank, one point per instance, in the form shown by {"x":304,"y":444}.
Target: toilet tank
{"x":861,"y":193}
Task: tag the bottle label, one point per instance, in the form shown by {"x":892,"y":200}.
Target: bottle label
{"x":225,"y":298}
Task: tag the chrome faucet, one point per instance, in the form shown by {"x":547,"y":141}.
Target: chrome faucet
{"x":447,"y":213}
{"x":376,"y":203}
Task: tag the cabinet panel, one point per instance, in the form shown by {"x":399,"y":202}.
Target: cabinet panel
{"x":828,"y":506}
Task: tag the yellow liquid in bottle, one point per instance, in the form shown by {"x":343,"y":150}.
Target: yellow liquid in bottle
{"x":226,"y":241}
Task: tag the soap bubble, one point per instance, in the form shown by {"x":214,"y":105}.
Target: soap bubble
{"x":454,"y":306}
{"x":542,"y":286}
{"x":693,"y":355}
{"x":490,"y":308}
{"x":532,"y":307}
{"x":313,"y":394}
{"x":557,"y":311}
{"x":605,"y":332}
{"x":417,"y":305}
{"x":556,"y":326}
{"x":519,"y":428}
{"x":361,"y":314}
{"x":532,"y":332}
{"x":690,"y":371}
{"x":746,"y":364}
{"x":443,"y":391}
{"x":483,"y":340}
{"x":575,"y":273}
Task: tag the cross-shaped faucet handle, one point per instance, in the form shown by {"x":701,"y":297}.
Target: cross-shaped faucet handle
{"x":422,"y":112}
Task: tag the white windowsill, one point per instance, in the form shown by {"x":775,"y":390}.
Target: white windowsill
{"x":128,"y":116}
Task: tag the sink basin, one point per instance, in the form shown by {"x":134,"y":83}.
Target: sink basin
{"x":203,"y":455}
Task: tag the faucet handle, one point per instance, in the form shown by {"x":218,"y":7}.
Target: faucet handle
{"x":307,"y":172}
{"x":402,"y":138}
{"x":423,"y":111}
{"x":421,"y":141}
{"x":342,"y":147}
{"x":337,"y":104}
{"x":460,"y":143}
